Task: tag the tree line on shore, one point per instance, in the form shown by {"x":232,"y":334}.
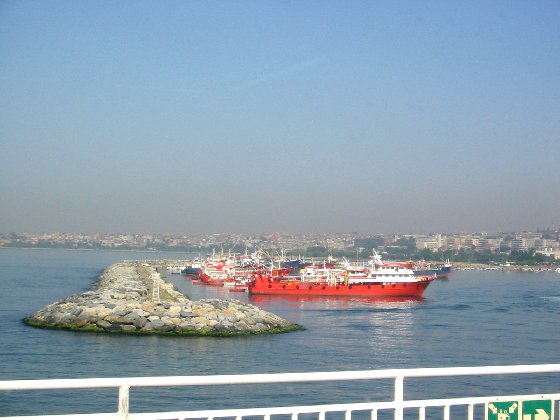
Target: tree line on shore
{"x":405,"y":250}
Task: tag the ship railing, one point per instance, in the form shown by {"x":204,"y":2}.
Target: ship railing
{"x":414,"y":408}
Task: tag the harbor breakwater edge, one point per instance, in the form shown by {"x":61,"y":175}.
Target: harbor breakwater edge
{"x":132,"y":298}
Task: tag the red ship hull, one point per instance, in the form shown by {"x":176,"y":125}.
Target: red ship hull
{"x":265,"y":285}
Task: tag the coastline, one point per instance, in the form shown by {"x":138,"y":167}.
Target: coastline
{"x":462,"y":266}
{"x":185,"y":261}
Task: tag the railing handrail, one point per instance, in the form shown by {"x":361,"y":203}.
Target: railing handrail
{"x":301,"y":409}
{"x":259,"y":378}
{"x":397,"y":375}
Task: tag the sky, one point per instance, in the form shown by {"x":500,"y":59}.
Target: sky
{"x":279,"y":116}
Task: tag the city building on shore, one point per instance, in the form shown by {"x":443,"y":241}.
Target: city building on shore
{"x":545,"y":242}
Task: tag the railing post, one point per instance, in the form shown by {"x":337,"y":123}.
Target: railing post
{"x":399,"y":396}
{"x":124,"y":401}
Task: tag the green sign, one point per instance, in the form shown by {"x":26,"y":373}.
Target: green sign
{"x":502,"y":410}
{"x":537,"y":410}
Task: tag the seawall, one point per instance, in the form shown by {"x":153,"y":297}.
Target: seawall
{"x":123,"y":301}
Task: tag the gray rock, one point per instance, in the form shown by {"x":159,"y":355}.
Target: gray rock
{"x":128,"y":328}
{"x":155,"y":324}
{"x":103,"y":324}
{"x":140,"y":322}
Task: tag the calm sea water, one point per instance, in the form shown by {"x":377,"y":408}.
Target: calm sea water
{"x":473,"y":319}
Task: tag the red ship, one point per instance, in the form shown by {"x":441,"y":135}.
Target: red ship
{"x":376,"y":279}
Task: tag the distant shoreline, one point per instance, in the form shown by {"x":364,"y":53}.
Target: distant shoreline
{"x":93,"y":249}
{"x":462,"y":266}
{"x":458,"y":266}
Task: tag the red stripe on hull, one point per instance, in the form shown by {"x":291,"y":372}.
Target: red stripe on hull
{"x":412,"y":289}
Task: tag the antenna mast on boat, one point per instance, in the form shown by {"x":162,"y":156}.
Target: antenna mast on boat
{"x":376,"y":258}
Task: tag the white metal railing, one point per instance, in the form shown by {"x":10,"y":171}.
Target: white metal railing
{"x":398,"y":405}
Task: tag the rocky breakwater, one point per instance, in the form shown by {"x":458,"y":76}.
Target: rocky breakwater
{"x":131,"y":297}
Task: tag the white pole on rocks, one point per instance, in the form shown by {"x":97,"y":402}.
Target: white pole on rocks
{"x":155,"y":289}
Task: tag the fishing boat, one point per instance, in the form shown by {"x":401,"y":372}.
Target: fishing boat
{"x":175,"y":269}
{"x":439,"y":270}
{"x":239,"y":280}
{"x":378,"y":278}
{"x":443,"y":271}
{"x":192,"y":272}
{"x":232,"y":271}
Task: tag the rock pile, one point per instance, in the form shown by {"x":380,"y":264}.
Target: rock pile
{"x":131,"y":297}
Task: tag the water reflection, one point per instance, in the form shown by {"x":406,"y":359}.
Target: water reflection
{"x":334,"y":301}
{"x":381,"y":330}
{"x":391,"y":333}
{"x":382,"y":324}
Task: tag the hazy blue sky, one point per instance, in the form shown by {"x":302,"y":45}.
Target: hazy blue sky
{"x":293,"y":116}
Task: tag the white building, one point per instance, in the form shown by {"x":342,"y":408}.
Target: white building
{"x":518,"y":244}
{"x":433,"y":243}
{"x":550,"y":252}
